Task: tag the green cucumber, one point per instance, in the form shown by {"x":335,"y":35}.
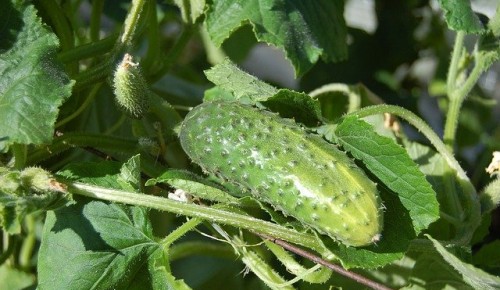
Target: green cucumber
{"x":130,"y":88}
{"x":298,"y":173}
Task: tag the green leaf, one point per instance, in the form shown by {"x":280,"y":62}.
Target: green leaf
{"x":13,"y":279}
{"x":234,"y":84}
{"x":488,"y":257}
{"x":195,"y":185}
{"x":432,"y":272}
{"x":238,"y":46}
{"x":96,"y":173}
{"x":460,"y":221}
{"x":244,"y":87}
{"x":392,"y":165}
{"x":494,"y":23}
{"x":475,"y":277}
{"x":481,"y":232}
{"x":328,"y":132}
{"x":291,"y":104}
{"x":393,"y":276}
{"x":217,"y":93}
{"x":161,"y":274}
{"x":130,"y":174}
{"x":305,"y":30}
{"x":33,"y":83}
{"x":460,"y":17}
{"x":97,"y":245}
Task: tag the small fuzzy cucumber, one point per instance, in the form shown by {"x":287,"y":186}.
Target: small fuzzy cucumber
{"x":297,"y":173}
{"x":130,"y":88}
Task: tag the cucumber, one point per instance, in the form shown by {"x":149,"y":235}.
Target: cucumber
{"x":130,"y":88}
{"x":279,"y":163}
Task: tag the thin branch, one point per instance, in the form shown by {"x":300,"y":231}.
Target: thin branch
{"x":99,"y":153}
{"x":336,"y":268}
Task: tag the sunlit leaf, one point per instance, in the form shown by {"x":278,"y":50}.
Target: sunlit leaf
{"x":305,"y":30}
{"x":33,"y":83}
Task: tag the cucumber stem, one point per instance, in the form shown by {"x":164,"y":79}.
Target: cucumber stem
{"x":197,"y":211}
{"x":352,"y":94}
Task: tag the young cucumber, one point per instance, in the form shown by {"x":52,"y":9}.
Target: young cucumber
{"x":130,"y":88}
{"x":297,"y":173}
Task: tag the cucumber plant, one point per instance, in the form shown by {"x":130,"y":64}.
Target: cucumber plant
{"x":136,"y":154}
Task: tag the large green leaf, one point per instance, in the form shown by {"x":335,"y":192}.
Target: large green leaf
{"x":33,"y":84}
{"x":233,"y":84}
{"x":431,"y":271}
{"x":14,"y":279}
{"x":304,"y":29}
{"x":488,"y":257}
{"x":392,"y":165}
{"x":98,"y":245}
{"x":459,"y":16}
{"x":94,"y":245}
{"x":475,"y":277}
{"x":461,"y":213}
{"x":243,"y":86}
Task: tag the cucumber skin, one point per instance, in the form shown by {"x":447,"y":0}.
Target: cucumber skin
{"x":299,"y":174}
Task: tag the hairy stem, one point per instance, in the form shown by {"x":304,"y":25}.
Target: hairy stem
{"x":94,"y":75}
{"x":180,"y":231}
{"x":132,"y":22}
{"x":197,"y":211}
{"x":92,"y":49}
{"x":101,"y":71}
{"x":82,"y":139}
{"x":29,"y":242}
{"x":60,"y":23}
{"x":175,"y":51}
{"x":62,"y":27}
{"x":9,"y":242}
{"x":456,"y":97}
{"x":116,"y":125}
{"x":153,"y":36}
{"x":95,"y":19}
{"x":19,"y":151}
{"x":353,"y":96}
{"x":455,"y":59}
